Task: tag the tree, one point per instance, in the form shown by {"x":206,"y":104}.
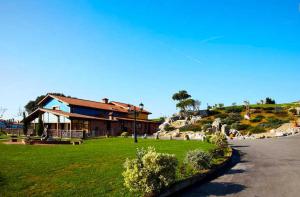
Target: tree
{"x":181,"y":95}
{"x":40,"y":126}
{"x":197,"y":104}
{"x":270,"y":101}
{"x":25,"y":124}
{"x":185,"y":102}
{"x":33,"y":104}
{"x":2,"y":111}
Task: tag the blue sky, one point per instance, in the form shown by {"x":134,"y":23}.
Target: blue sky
{"x":133,"y":51}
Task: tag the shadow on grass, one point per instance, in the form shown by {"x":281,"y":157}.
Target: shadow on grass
{"x":2,"y":180}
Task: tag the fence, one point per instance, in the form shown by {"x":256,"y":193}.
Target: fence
{"x":66,"y":133}
{"x":12,"y":131}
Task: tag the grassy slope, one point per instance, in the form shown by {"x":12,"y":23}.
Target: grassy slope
{"x":286,"y":116}
{"x":93,"y":168}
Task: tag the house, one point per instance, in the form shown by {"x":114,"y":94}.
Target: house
{"x":73,"y":117}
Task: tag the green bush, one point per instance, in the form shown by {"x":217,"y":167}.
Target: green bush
{"x":269,"y":108}
{"x":257,"y":119}
{"x":221,"y":115}
{"x":232,"y":118}
{"x":169,"y":128}
{"x":257,"y":129}
{"x":239,"y":127}
{"x":217,"y":152}
{"x":273,"y":122}
{"x":206,"y":126}
{"x":124,"y":134}
{"x":219,"y":140}
{"x":150,"y":171}
{"x":293,"y":111}
{"x":194,"y":127}
{"x":198,"y":159}
{"x":234,"y":109}
{"x":213,"y":112}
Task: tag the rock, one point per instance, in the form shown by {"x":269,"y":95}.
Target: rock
{"x":186,"y":137}
{"x":246,"y":117}
{"x":225,"y":129}
{"x":216,"y":125}
{"x":279,"y":134}
{"x":163,"y":126}
{"x":199,"y":136}
{"x":195,"y":119}
{"x":272,"y":131}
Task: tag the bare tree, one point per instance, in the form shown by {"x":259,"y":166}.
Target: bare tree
{"x":2,"y":111}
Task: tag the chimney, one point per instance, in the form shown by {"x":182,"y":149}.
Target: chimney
{"x":105,"y":100}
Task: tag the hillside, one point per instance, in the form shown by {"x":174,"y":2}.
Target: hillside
{"x":263,"y":118}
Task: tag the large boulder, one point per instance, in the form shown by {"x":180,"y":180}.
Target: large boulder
{"x":225,"y":129}
{"x":195,"y":119}
{"x":216,"y":125}
{"x":163,"y":126}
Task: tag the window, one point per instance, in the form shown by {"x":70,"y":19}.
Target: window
{"x":80,"y":125}
{"x":55,"y":107}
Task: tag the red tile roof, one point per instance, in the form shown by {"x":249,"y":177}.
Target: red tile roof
{"x":62,"y":113}
{"x":125,"y":106}
{"x":112,"y":106}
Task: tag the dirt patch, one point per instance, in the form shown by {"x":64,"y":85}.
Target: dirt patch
{"x":13,"y":142}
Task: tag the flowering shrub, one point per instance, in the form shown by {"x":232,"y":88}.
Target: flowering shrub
{"x":220,"y":140}
{"x":198,"y":159}
{"x":150,"y":171}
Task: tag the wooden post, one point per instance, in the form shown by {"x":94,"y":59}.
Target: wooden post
{"x":70,"y":128}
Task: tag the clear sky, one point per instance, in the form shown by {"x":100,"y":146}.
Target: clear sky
{"x":133,"y":51}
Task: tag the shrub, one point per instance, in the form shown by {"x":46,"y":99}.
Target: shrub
{"x":198,"y":159}
{"x":217,"y":152}
{"x":273,"y":122}
{"x":269,"y":108}
{"x":293,"y":111}
{"x":257,"y":119}
{"x":219,"y":139}
{"x":205,"y":121}
{"x":232,"y":118}
{"x":169,"y":128}
{"x":192,"y":127}
{"x":257,"y":129}
{"x":124,"y":134}
{"x":206,"y":126}
{"x":234,"y":109}
{"x":222,"y":116}
{"x":150,"y":171}
{"x":213,"y":112}
{"x":239,"y":126}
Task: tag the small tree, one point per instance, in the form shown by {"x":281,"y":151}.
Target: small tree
{"x":181,"y":95}
{"x":2,"y":111}
{"x":270,"y":101}
{"x":25,"y":124}
{"x":40,"y":126}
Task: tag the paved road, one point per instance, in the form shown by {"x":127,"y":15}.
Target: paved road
{"x":268,"y":167}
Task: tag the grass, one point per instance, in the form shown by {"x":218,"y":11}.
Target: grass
{"x":91,"y":169}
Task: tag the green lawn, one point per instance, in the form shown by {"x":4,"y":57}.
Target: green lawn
{"x":91,"y":169}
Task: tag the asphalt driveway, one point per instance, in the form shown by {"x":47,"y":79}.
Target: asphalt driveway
{"x":266,"y":167}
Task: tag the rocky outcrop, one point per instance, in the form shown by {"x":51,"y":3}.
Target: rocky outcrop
{"x":216,"y":125}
